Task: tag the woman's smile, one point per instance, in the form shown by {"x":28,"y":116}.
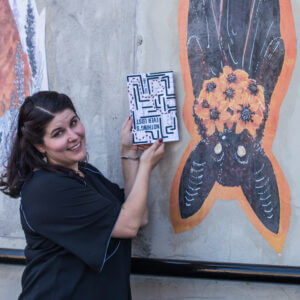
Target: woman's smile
{"x":76,"y":147}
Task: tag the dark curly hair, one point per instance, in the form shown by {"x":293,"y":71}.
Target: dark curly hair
{"x":35,"y":114}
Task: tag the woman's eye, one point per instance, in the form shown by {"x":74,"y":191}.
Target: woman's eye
{"x":73,"y":122}
{"x":58,"y":133}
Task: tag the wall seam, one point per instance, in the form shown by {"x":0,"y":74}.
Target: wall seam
{"x":134,"y":39}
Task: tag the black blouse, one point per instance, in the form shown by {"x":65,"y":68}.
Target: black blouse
{"x":68,"y":224}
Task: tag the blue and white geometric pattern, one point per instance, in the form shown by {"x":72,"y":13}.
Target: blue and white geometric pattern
{"x":152,"y":105}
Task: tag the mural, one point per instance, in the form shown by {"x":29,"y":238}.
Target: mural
{"x":23,"y":68}
{"x":237,"y":59}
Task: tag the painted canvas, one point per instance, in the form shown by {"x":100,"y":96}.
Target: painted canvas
{"x":237,"y":59}
{"x":23,"y":69}
{"x":152,"y":105}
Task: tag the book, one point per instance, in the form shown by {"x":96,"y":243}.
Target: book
{"x":152,"y":104}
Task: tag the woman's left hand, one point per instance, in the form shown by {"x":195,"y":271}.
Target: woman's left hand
{"x":126,"y":137}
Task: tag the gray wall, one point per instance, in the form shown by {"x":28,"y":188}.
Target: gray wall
{"x":91,"y":47}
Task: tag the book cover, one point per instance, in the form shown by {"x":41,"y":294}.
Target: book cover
{"x":152,"y":104}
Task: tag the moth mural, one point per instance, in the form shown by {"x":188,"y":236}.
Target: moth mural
{"x":237,"y":59}
{"x":23,"y":69}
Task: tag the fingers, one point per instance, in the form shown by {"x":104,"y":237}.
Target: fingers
{"x":156,"y":145}
{"x":161,"y":149}
{"x":127,"y":125}
{"x":143,"y":147}
{"x":153,"y":155}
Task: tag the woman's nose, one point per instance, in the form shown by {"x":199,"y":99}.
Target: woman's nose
{"x":72,"y":136}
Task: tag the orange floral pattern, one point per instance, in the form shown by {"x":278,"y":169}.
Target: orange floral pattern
{"x":233,"y":99}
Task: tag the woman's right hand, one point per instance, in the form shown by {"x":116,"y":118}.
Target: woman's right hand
{"x":134,"y":213}
{"x":153,"y":155}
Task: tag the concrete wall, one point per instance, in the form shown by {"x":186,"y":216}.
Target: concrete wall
{"x":91,"y":47}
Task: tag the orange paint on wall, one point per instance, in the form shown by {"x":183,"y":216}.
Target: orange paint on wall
{"x":9,"y":39}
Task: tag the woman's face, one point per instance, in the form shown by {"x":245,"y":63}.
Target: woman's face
{"x":64,"y":140}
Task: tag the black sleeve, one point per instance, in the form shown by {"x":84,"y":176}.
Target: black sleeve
{"x":72,"y":215}
{"x":113,"y":187}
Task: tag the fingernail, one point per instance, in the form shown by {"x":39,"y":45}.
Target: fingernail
{"x":160,"y":140}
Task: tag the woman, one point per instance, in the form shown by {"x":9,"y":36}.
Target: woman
{"x":76,"y":222}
